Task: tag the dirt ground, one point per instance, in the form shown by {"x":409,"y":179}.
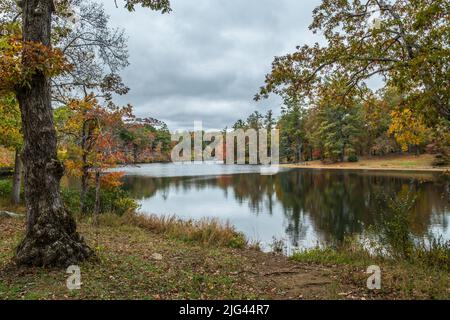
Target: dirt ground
{"x":127,"y":268}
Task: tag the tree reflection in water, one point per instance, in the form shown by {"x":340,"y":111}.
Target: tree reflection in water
{"x":329,"y":204}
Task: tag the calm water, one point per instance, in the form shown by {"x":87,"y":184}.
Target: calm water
{"x":302,"y":207}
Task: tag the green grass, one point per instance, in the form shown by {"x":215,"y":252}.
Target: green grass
{"x":124,"y":268}
{"x":195,"y":266}
{"x":332,"y":256}
{"x":401,"y":279}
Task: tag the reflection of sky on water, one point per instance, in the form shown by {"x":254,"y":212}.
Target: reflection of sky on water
{"x":212,"y":202}
{"x":303,"y":207}
{"x":187,"y":169}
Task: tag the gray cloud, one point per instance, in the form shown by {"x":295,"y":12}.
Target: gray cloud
{"x":207,"y":59}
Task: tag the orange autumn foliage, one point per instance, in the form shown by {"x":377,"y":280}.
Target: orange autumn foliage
{"x":21,"y":60}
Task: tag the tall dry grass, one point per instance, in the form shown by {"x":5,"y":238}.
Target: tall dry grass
{"x":207,"y":231}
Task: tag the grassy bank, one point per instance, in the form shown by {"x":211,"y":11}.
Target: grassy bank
{"x":140,"y":258}
{"x":394,"y":162}
{"x":400,"y":279}
{"x":208,"y":232}
{"x":135,"y":263}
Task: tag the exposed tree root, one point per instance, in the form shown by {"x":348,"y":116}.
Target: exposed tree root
{"x":52,"y":242}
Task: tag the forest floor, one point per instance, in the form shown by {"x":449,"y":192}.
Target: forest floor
{"x":134,"y":263}
{"x":390,"y":162}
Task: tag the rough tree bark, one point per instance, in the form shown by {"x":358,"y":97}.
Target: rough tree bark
{"x":51,"y":239}
{"x":17,"y":179}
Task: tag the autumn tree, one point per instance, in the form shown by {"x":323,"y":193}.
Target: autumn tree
{"x":85,"y":127}
{"x":95,"y":51}
{"x":407,"y":46}
{"x":409,"y":129}
{"x":141,"y":135}
{"x":104,"y":151}
{"x":11,"y":137}
{"x":51,"y":238}
{"x":377,"y":119}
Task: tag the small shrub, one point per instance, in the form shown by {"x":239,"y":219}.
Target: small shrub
{"x":440,"y":160}
{"x":352,"y":158}
{"x":123,"y":205}
{"x":348,"y":252}
{"x":277,"y":245}
{"x":5,"y":188}
{"x":114,"y":200}
{"x":238,"y":241}
{"x":394,"y":228}
{"x":71,"y":199}
{"x":434,"y":254}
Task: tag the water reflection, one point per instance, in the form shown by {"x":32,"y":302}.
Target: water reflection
{"x":302,"y":206}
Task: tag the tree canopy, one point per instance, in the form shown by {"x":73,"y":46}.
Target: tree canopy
{"x":408,"y":47}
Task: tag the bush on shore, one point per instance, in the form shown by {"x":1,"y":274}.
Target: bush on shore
{"x":116,"y":201}
{"x":5,"y":188}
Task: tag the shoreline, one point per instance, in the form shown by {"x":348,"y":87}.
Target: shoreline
{"x":402,"y":163}
{"x":363,"y":168}
{"x":137,"y":263}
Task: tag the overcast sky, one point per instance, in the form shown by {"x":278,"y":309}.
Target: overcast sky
{"x":206,"y":59}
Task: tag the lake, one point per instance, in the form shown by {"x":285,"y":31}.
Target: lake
{"x":303,"y":207}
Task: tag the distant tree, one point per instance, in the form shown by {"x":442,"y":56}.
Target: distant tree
{"x":340,"y":122}
{"x":11,"y":137}
{"x":377,"y":119}
{"x":147,"y":134}
{"x":163,"y":140}
{"x":240,"y":124}
{"x":292,"y":130}
{"x":409,"y":129}
{"x":269,"y":121}
{"x":255,"y":120}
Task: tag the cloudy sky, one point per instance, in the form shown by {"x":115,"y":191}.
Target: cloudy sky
{"x":206,"y":59}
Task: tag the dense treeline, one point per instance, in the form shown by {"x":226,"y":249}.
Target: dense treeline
{"x":331,"y":113}
{"x":338,"y":131}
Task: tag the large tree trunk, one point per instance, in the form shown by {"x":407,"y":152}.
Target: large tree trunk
{"x":17,"y":179}
{"x":51,"y":238}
